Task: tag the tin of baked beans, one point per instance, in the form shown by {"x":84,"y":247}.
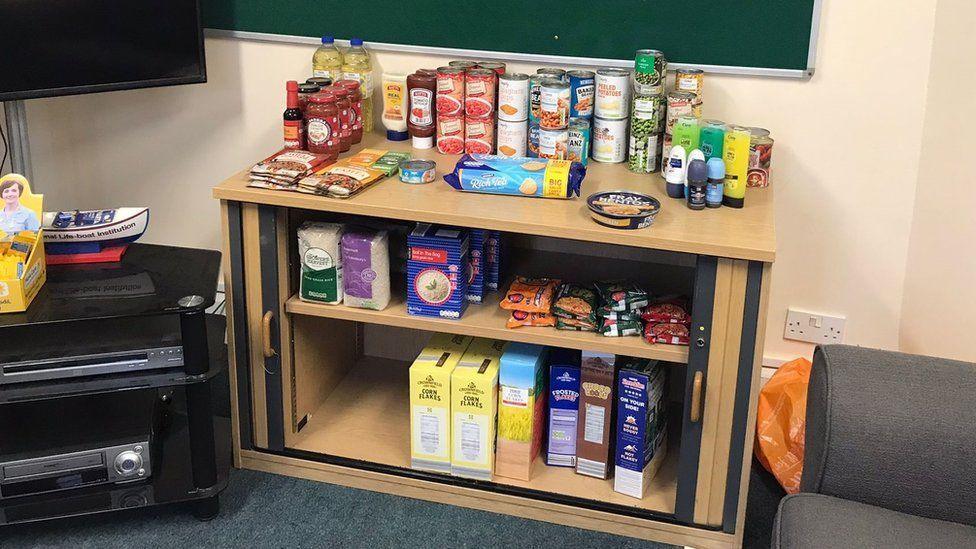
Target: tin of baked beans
{"x":535,"y":95}
{"x":553,"y":104}
{"x":760,"y":157}
{"x":496,"y":66}
{"x":513,"y":97}
{"x":553,"y":143}
{"x":578,"y":147}
{"x":450,"y":134}
{"x":609,"y":140}
{"x":532,"y":145}
{"x":680,"y":103}
{"x":479,"y":92}
{"x":479,"y":135}
{"x":450,"y":91}
{"x":581,"y":86}
{"x":612,"y":101}
{"x":463,"y":64}
{"x":552,"y":72}
{"x":650,"y":72}
{"x":690,"y":80}
{"x":511,"y":137}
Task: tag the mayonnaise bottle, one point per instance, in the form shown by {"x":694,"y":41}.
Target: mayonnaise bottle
{"x":394,"y":106}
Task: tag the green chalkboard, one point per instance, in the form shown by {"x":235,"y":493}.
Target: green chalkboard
{"x":770,"y":34}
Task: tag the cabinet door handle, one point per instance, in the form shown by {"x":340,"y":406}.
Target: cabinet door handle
{"x":696,"y":397}
{"x":266,"y":334}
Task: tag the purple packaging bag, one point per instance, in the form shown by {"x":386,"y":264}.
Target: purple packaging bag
{"x":366,"y":269}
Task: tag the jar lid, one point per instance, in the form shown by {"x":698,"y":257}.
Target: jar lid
{"x":340,"y":92}
{"x":309,"y":88}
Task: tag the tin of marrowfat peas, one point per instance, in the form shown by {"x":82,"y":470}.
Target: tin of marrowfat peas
{"x":650,"y":71}
{"x":417,"y":171}
{"x":623,"y":209}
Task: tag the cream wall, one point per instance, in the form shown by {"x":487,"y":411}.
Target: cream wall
{"x":939,"y":310}
{"x":845,"y":164}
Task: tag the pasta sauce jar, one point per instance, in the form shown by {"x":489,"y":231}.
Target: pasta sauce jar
{"x":322,"y":126}
{"x":345,"y":107}
{"x":356,"y":107}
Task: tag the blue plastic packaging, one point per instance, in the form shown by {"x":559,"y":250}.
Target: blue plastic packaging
{"x":517,"y":176}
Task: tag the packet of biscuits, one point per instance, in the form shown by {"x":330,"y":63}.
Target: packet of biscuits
{"x":517,"y":176}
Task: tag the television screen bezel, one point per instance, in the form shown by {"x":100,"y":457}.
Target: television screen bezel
{"x":200,"y":78}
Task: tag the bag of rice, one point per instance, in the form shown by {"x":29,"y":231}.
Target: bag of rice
{"x":321,"y":257}
{"x":366,"y":268}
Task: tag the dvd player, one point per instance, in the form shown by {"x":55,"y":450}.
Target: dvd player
{"x":90,"y":348}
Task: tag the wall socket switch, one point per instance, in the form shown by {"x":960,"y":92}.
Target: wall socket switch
{"x":813,"y":327}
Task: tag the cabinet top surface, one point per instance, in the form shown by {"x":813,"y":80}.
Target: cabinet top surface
{"x":747,"y":233}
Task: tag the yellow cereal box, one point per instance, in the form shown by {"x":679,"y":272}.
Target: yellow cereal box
{"x":430,"y":402}
{"x":474,"y":405}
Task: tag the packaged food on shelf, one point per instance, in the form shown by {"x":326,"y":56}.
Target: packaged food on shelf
{"x":575,"y":324}
{"x":646,"y":128}
{"x":417,"y":172}
{"x":479,"y":135}
{"x":553,"y":104}
{"x":692,"y":81}
{"x":581,"y":90}
{"x":612,"y":94}
{"x":553,"y":144}
{"x":535,"y":98}
{"x":390,"y":162}
{"x":513,"y":97}
{"x":340,"y":180}
{"x":366,"y":268}
{"x":620,"y":327}
{"x":497,"y":66}
{"x":437,"y":271}
{"x":667,"y":333}
{"x":760,"y":157}
{"x":564,"y":399}
{"x":623,"y":209}
{"x":650,"y":71}
{"x":522,"y":318}
{"x":578,"y":140}
{"x":430,"y":402}
{"x":356,"y":100}
{"x":294,"y":127}
{"x":532,"y":146}
{"x":667,"y":309}
{"x":517,"y":176}
{"x":319,"y":247}
{"x":346,"y":115}
{"x":493,"y":251}
{"x":450,"y":91}
{"x":610,"y":143}
{"x":511,"y":138}
{"x":575,"y":301}
{"x":531,"y":295}
{"x":680,"y":103}
{"x":450,"y":134}
{"x":521,"y":409}
{"x":479,"y":92}
{"x":642,"y":420}
{"x":476,"y":269}
{"x":287,"y":166}
{"x":594,"y":445}
{"x":395,"y":106}
{"x":323,"y":127}
{"x":622,"y":296}
{"x":421,"y":121}
{"x":474,"y":409}
{"x":463,"y":64}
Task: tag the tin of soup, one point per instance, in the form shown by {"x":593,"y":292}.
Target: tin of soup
{"x":612,"y":94}
{"x":512,"y":137}
{"x":609,"y":140}
{"x":581,"y":87}
{"x":513,"y":97}
{"x":552,"y":72}
{"x":623,"y":209}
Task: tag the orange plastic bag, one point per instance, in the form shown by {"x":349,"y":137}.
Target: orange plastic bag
{"x":781,"y":423}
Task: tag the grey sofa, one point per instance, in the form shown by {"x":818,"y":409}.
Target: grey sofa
{"x":890,"y":457}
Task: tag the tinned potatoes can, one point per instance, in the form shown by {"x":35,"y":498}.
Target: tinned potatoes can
{"x":609,"y":140}
{"x":512,"y":137}
{"x":612,"y":94}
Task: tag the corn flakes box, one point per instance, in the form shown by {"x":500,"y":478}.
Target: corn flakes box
{"x":474,"y":397}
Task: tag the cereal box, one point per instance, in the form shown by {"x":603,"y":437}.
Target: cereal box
{"x":564,"y":393}
{"x":521,"y":409}
{"x":430,"y":402}
{"x":474,"y":405}
{"x":597,"y":408}
{"x":641,"y":425}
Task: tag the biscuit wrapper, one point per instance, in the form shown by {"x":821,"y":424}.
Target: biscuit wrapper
{"x":517,"y":176}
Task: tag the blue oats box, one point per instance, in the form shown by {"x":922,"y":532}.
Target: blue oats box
{"x":437,"y":271}
{"x":564,"y":392}
{"x":493,"y":255}
{"x":641,"y":425}
{"x":478,"y":265}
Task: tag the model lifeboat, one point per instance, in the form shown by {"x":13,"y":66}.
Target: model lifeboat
{"x":105,"y":227}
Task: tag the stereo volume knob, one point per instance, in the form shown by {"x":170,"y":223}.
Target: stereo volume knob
{"x":128,"y":463}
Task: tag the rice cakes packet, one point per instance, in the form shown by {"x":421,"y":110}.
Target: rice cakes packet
{"x":622,"y":296}
{"x":576,"y":301}
{"x":531,"y":295}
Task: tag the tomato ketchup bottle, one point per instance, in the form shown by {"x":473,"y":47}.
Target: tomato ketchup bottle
{"x":421,"y":89}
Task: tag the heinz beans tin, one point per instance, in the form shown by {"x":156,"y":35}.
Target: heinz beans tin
{"x":581,"y":88}
{"x":553,"y":104}
{"x":578,"y":147}
{"x":553,"y":143}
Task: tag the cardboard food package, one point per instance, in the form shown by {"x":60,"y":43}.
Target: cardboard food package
{"x":594,"y":443}
{"x":521,"y":409}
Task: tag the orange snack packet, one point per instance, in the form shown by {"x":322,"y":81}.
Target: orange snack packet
{"x":522,"y":318}
{"x":531,"y":295}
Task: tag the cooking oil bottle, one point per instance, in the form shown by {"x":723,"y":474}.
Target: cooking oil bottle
{"x":327,"y":60}
{"x":356,"y":66}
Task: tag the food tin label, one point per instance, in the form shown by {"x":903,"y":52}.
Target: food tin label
{"x":679,"y":104}
{"x":609,"y":140}
{"x":643,"y":153}
{"x":479,"y":135}
{"x":512,"y":138}
{"x":690,"y":81}
{"x":760,"y":160}
{"x":581,"y":90}
{"x":553,"y":143}
{"x":535,"y":97}
{"x":479,"y":92}
{"x":532,"y":147}
{"x":554,"y":107}
{"x":513,"y":99}
{"x":450,"y":91}
{"x":578,"y":146}
{"x":612,"y":94}
{"x":650,"y":69}
{"x":450,"y":134}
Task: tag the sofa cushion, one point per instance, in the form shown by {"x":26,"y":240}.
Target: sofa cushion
{"x":818,"y":521}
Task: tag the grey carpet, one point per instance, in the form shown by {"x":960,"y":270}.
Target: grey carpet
{"x":263,"y":510}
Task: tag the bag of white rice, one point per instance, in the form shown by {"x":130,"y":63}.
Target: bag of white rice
{"x":319,"y":246}
{"x":366,"y":260}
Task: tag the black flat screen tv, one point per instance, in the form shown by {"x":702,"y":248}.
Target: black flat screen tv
{"x":64,"y":47}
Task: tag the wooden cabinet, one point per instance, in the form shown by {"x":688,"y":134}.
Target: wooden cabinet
{"x":321,"y":391}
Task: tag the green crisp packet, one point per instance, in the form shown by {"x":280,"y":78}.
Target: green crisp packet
{"x":622,"y":296}
{"x":574,"y":301}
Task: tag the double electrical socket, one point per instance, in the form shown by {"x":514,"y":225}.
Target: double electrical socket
{"x":813,"y":327}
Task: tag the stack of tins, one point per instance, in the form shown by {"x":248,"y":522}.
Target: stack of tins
{"x":466,"y":99}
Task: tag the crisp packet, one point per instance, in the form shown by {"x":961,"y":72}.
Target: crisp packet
{"x":619,"y":328}
{"x":672,"y":334}
{"x":576,"y":301}
{"x":622,"y":296}
{"x":532,"y":295}
{"x":575,"y":324}
{"x":518,"y":176}
{"x":670,"y":309}
{"x":522,"y":318}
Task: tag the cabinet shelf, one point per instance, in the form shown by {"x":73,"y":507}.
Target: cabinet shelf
{"x":366,"y":418}
{"x":488,"y":320}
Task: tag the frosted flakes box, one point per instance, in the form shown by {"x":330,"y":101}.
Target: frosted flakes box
{"x":641,"y":425}
{"x":563,"y":394}
{"x":518,"y":176}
